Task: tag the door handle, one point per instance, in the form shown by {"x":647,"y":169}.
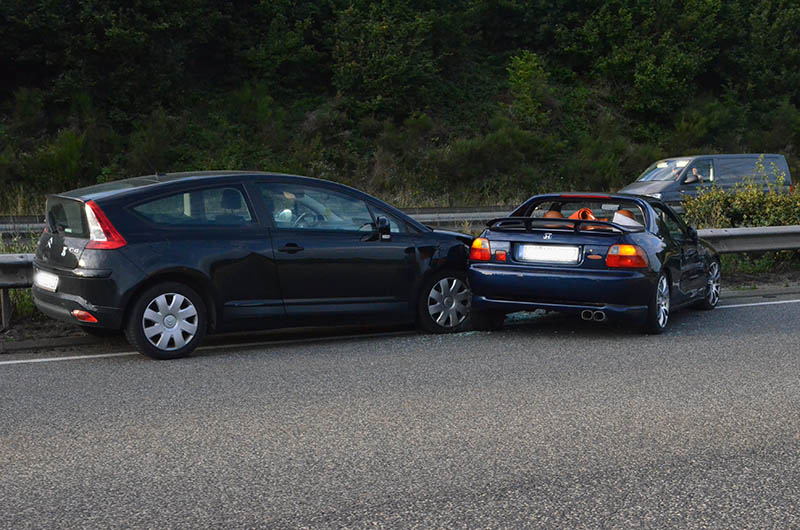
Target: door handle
{"x":291,"y":248}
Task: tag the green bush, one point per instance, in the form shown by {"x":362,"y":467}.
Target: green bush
{"x":749,"y":204}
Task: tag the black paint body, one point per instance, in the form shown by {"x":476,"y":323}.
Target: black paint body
{"x":251,"y":276}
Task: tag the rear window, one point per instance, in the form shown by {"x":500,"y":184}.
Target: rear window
{"x":625,"y":213}
{"x":225,"y":206}
{"x":65,"y":216}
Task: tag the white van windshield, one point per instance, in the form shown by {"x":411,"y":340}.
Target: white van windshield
{"x":664,"y":170}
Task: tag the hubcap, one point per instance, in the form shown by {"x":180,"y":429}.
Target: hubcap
{"x":448,"y":302}
{"x":662,"y":301}
{"x":169,"y":321}
{"x":712,"y":287}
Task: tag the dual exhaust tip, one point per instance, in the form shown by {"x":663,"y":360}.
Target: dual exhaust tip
{"x":597,"y":316}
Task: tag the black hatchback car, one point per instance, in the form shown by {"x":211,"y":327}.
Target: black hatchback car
{"x":167,"y":258}
{"x":602,"y":257}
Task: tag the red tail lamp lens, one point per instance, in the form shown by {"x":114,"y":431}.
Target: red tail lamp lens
{"x":500,"y":255}
{"x":626,"y":256}
{"x":83,"y":316}
{"x":480,"y":250}
{"x":102,"y":234}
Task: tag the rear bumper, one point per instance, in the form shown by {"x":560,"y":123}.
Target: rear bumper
{"x":60,"y":306}
{"x":622,"y":294}
{"x":612,"y":312}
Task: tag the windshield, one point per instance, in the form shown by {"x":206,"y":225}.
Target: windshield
{"x":664,"y":170}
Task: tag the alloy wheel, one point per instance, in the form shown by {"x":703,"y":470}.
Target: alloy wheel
{"x":713,"y":284}
{"x":662,"y":301}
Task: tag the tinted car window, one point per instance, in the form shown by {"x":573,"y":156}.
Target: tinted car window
{"x":208,"y":207}
{"x":66,"y":216}
{"x":668,"y":224}
{"x":623,"y":212}
{"x":311,"y":208}
{"x":396,"y":226}
{"x":704,"y":171}
{"x":734,"y":168}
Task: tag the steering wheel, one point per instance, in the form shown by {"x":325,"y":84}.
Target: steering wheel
{"x":297,"y":222}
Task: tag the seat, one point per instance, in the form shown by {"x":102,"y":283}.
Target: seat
{"x":231,"y":200}
{"x":554,"y":214}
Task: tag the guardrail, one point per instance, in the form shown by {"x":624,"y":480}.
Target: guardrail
{"x":756,"y":239}
{"x":16,"y":270}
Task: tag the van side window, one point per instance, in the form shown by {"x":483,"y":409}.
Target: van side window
{"x":701,"y":171}
{"x":736,"y":168}
{"x":224,"y":206}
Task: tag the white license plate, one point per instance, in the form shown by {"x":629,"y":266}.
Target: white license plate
{"x":45,"y":280}
{"x":549,"y":253}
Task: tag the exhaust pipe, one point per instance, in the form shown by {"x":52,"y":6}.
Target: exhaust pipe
{"x":597,"y":316}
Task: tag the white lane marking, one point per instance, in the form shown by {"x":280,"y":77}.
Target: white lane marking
{"x":70,"y":358}
{"x":388,"y":334}
{"x":758,"y":303}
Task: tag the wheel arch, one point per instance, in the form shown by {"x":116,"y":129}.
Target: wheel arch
{"x":193,"y":279}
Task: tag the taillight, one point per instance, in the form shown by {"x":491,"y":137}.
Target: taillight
{"x":626,"y":256}
{"x":102,"y":234}
{"x":480,"y":250}
{"x":84,"y":316}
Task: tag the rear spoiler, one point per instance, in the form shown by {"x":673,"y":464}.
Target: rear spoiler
{"x":575,"y":225}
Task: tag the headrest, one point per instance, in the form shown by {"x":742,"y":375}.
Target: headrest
{"x":231,"y":200}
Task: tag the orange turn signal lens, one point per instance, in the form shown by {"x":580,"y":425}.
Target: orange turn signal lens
{"x":626,"y":256}
{"x":83,"y":316}
{"x":480,"y":250}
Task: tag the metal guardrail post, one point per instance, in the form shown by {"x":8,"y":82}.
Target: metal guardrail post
{"x":16,"y":271}
{"x":6,"y":309}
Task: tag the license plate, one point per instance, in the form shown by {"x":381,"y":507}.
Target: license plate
{"x":549,"y":253}
{"x":45,"y":280}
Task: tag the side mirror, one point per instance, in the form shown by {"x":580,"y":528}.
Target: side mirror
{"x":383,"y":228}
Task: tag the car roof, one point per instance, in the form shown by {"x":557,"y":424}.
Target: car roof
{"x":714,"y":155}
{"x":123,"y":186}
{"x":118,"y":189}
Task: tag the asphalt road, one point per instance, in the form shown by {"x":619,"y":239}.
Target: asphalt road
{"x":549,"y":423}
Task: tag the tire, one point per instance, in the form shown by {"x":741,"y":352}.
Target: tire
{"x":167,"y":321}
{"x":711,"y":293}
{"x":658,"y":309}
{"x":487,"y":320}
{"x":444,"y":303}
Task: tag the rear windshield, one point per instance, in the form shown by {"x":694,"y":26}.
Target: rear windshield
{"x":621,"y":212}
{"x":664,"y":170}
{"x":66,"y":217}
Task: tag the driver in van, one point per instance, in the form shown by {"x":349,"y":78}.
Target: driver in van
{"x":696,"y":176}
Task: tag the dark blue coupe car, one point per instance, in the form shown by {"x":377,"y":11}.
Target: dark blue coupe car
{"x":599,"y":256}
